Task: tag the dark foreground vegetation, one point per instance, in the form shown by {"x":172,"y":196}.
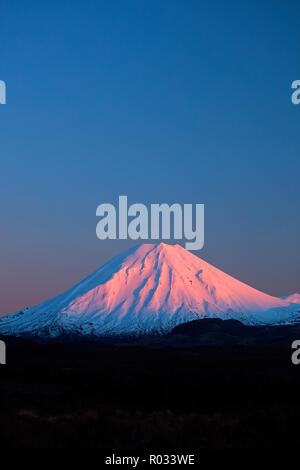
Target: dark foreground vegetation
{"x":185,"y":392}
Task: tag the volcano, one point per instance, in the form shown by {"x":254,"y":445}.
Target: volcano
{"x":149,"y":289}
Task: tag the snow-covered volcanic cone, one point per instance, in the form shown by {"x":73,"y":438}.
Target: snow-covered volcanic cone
{"x":149,"y":289}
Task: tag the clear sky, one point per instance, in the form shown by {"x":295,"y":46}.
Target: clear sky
{"x":164,"y":101}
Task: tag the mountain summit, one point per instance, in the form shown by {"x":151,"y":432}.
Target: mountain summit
{"x":149,"y":289}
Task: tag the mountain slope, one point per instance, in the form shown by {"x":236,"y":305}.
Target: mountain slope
{"x":295,"y":298}
{"x":149,"y":289}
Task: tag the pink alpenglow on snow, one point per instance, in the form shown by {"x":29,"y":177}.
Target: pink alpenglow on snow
{"x":295,"y":298}
{"x":149,"y":289}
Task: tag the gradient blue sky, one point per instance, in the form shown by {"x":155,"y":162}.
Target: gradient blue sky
{"x":165,"y":101}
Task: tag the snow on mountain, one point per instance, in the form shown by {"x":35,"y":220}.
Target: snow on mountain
{"x":295,"y":298}
{"x":149,"y":290}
